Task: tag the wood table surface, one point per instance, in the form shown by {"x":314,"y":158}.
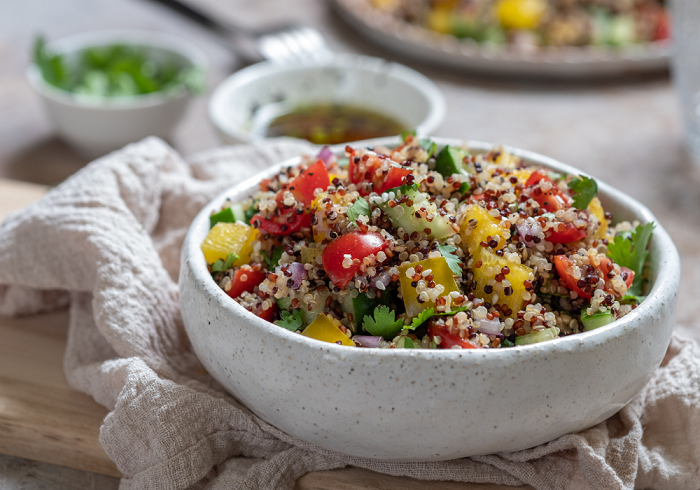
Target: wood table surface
{"x":625,"y":132}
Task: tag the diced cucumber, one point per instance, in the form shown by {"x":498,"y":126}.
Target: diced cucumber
{"x":596,"y":320}
{"x":449,"y":161}
{"x":364,"y":306}
{"x":310,"y":316}
{"x":223,"y":216}
{"x":405,"y":343}
{"x":238,"y":212}
{"x":404,"y":216}
{"x":537,"y":337}
{"x":284,"y":303}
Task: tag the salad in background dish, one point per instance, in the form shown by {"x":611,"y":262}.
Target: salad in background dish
{"x":538,"y":22}
{"x":425,"y":247}
{"x":116,"y":70}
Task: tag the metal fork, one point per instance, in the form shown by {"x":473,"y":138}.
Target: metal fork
{"x":279,"y":44}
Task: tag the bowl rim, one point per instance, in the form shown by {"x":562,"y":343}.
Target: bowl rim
{"x":662,"y":289}
{"x":75,"y":42}
{"x":350,"y":61}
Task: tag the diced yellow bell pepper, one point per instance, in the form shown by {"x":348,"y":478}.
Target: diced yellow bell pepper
{"x":522,"y":174}
{"x":227,"y":238}
{"x":486,"y":225}
{"x":596,"y":209}
{"x":491,"y":265}
{"x":442,"y":275}
{"x":325,"y":329}
{"x":520,"y":14}
{"x":440,"y":20}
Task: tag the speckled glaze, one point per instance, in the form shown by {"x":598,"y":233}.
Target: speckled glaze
{"x":420,"y":405}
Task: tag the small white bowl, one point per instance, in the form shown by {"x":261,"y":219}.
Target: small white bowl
{"x":97,"y":125}
{"x":363,"y":81}
{"x":429,"y":405}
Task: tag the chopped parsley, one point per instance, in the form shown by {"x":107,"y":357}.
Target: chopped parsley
{"x":221,"y":265}
{"x":453,"y":261}
{"x":585,"y":189}
{"x":383,"y":324}
{"x":359,"y":208}
{"x":632,"y":253}
{"x":292,"y":321}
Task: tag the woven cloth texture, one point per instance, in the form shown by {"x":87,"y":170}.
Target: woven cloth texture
{"x":106,"y":244}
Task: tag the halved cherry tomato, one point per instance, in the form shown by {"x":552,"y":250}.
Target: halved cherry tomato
{"x":394,"y":178}
{"x":303,"y":185}
{"x":562,"y":262}
{"x":268,"y":314}
{"x":284,"y":224}
{"x":570,"y":234}
{"x":552,"y":200}
{"x":358,"y":246}
{"x":245,"y":280}
{"x":627,"y":276}
{"x":663,"y":27}
{"x":447,"y":340}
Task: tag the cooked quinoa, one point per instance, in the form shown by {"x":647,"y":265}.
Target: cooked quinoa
{"x":426,"y":247}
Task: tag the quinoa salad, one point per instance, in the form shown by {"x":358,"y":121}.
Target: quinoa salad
{"x":534,"y":23}
{"x":427,"y":247}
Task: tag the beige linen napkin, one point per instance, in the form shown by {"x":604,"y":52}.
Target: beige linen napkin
{"x":107,"y":242}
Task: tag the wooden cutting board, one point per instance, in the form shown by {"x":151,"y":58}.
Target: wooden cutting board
{"x":43,"y":419}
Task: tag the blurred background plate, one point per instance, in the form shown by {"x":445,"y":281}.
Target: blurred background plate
{"x":470,"y":56}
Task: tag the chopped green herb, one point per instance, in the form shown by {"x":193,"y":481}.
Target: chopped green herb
{"x":384,"y":323}
{"x":405,"y":134}
{"x":632,"y":253}
{"x":249,"y":213}
{"x":453,"y":261}
{"x":292,"y":321}
{"x":116,"y":70}
{"x":585,"y":189}
{"x":223,"y":216}
{"x":464,"y":187}
{"x":428,"y":145}
{"x":273,"y":260}
{"x":507,"y":343}
{"x":359,"y":208}
{"x":221,"y":265}
{"x":428,"y":313}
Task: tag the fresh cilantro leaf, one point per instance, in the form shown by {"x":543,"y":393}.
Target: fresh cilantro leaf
{"x":427,"y":145}
{"x":426,"y":314}
{"x":408,"y":133}
{"x":221,"y":265}
{"x":452,"y":260}
{"x":292,"y":321}
{"x":632,"y":253}
{"x":423,"y":317}
{"x":464,"y":187}
{"x":273,"y":260}
{"x":585,"y":189}
{"x":359,"y":208}
{"x":402,"y":190}
{"x":384,"y":323}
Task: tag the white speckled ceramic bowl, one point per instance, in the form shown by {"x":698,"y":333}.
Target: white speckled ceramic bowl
{"x":426,"y":405}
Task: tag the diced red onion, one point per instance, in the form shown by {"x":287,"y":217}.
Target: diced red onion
{"x":525,"y":229}
{"x":326,"y":155}
{"x":298,"y":273}
{"x":384,"y":278}
{"x":490,"y":327}
{"x":367,"y":340}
